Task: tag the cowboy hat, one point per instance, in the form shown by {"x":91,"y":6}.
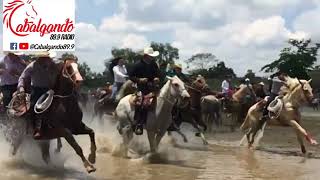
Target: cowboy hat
{"x":247,"y":79}
{"x":261,"y":83}
{"x":68,"y":57}
{"x":17,"y":53}
{"x":40,"y":54}
{"x":179,"y":66}
{"x":44,"y":102}
{"x":150,"y":52}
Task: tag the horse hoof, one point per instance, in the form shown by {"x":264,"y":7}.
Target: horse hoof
{"x":91,"y":169}
{"x":92,"y":158}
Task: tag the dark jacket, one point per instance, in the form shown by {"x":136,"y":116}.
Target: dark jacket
{"x":144,"y":70}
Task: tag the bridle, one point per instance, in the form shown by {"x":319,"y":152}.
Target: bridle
{"x":65,"y":73}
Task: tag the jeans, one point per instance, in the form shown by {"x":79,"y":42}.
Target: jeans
{"x":7,"y":91}
{"x":115,"y":89}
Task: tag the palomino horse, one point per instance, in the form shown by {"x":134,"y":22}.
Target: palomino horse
{"x":297,"y":93}
{"x":158,"y":120}
{"x":64,"y":116}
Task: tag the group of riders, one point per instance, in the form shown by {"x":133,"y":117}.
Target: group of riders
{"x":37,"y":77}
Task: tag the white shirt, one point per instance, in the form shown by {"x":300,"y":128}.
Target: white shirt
{"x":120,"y":73}
{"x":225,"y":86}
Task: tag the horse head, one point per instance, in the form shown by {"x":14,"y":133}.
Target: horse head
{"x":71,"y":72}
{"x":177,"y":88}
{"x":200,"y":82}
{"x":307,"y":90}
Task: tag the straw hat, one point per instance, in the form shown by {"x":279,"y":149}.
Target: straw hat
{"x":179,"y":66}
{"x":261,"y":83}
{"x":50,"y":54}
{"x":150,"y":52}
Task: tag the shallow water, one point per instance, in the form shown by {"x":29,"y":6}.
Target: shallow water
{"x":278,"y":157}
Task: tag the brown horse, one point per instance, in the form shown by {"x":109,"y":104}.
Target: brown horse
{"x":107,"y":106}
{"x":64,"y":116}
{"x":190,"y":112}
{"x":239,"y":104}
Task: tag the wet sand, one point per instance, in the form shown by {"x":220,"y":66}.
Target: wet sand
{"x":278,"y":157}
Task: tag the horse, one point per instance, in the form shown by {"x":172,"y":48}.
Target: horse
{"x":297,"y":93}
{"x":158,"y":119}
{"x":64,"y":116}
{"x":190,"y":112}
{"x":239,"y":104}
{"x":107,"y":106}
{"x":210,"y":110}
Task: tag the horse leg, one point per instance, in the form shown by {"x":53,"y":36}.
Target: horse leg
{"x":152,"y":143}
{"x":183,"y":136}
{"x":93,"y":146}
{"x":300,"y":140}
{"x":59,"y":145}
{"x":199,"y":133}
{"x":308,"y":137}
{"x":16,"y":144}
{"x":73,"y":143}
{"x":45,"y":151}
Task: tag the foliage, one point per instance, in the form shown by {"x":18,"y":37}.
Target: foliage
{"x":296,"y":60}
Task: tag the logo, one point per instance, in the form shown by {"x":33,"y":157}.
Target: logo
{"x":13,"y":46}
{"x":23,"y":46}
{"x":33,"y":21}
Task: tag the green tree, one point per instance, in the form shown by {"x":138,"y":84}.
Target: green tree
{"x":128,"y":54}
{"x":250,"y":74}
{"x":168,"y":54}
{"x":220,"y":71}
{"x":85,"y":71}
{"x":202,"y":61}
{"x":296,"y":60}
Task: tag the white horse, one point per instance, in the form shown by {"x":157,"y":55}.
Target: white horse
{"x":158,"y":120}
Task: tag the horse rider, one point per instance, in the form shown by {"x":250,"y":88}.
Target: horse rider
{"x":277,"y":82}
{"x":120,"y":75}
{"x":178,"y":72}
{"x":260,"y":92}
{"x":43,"y":73}
{"x":11,"y":66}
{"x":226,"y":86}
{"x":146,"y":74}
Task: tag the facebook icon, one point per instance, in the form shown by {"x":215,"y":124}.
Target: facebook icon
{"x":13,"y":46}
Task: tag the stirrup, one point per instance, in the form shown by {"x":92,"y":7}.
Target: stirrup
{"x":138,"y":130}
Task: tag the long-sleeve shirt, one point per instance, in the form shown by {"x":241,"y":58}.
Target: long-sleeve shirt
{"x":225,"y":86}
{"x":120,"y":73}
{"x":144,"y":70}
{"x":42,"y":74}
{"x":12,"y":69}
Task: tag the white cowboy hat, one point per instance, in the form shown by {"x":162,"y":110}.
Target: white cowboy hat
{"x":17,"y":53}
{"x":261,"y":83}
{"x":247,"y":79}
{"x":150,"y":52}
{"x":44,"y":102}
{"x":50,"y":54}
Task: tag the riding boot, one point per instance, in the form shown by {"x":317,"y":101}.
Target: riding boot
{"x":138,"y":120}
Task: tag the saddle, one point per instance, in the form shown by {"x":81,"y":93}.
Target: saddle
{"x":147,"y":101}
{"x":275,"y":108}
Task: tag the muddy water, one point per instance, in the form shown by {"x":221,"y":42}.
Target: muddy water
{"x":278,"y":157}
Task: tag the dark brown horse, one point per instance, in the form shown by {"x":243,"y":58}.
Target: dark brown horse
{"x":64,"y":116}
{"x":191,"y":112}
{"x":107,"y":106}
